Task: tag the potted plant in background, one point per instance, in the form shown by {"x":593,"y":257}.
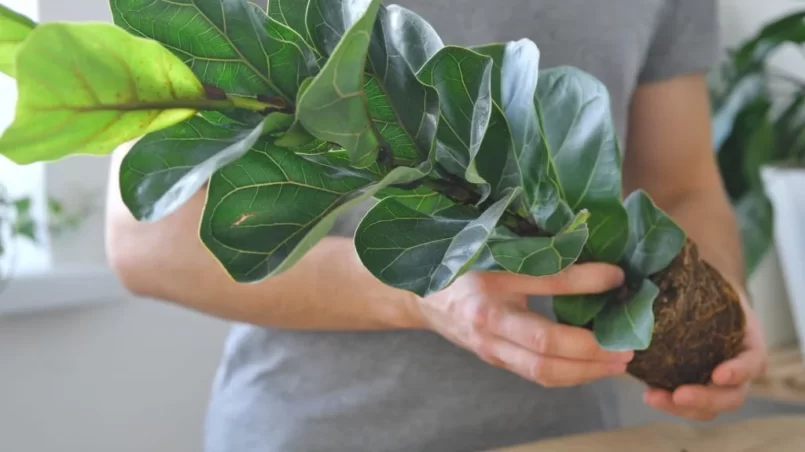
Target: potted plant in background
{"x":759,"y":134}
{"x":21,"y":226}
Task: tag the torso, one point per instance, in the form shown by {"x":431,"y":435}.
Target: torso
{"x":607,"y":39}
{"x":410,"y":391}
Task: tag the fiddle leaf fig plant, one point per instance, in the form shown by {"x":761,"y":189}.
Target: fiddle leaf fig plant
{"x":468,"y":158}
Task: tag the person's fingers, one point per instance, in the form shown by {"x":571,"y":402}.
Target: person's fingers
{"x":663,"y":401}
{"x":710,"y":398}
{"x":747,"y":366}
{"x":542,"y":336}
{"x":585,"y":278}
{"x":545,"y":370}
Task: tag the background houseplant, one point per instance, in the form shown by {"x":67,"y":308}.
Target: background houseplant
{"x":291,"y":116}
{"x":759,"y":134}
{"x":18,"y":222}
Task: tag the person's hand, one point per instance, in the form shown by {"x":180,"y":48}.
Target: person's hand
{"x":730,"y":381}
{"x":487,"y":314}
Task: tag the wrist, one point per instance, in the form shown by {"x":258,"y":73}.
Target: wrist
{"x":410,"y":315}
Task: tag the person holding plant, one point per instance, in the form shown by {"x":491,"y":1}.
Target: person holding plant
{"x":325,"y":357}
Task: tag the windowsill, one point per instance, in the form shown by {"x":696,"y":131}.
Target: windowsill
{"x":62,"y":288}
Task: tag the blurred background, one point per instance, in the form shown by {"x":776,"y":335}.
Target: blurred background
{"x":84,"y":367}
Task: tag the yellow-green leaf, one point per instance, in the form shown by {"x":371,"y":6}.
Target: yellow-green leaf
{"x":86,"y":88}
{"x":14,"y":28}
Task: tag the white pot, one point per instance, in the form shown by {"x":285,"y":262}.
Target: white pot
{"x":770,"y":302}
{"x":785,"y":188}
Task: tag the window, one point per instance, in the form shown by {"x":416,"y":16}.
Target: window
{"x":68,"y":267}
{"x":21,"y":256}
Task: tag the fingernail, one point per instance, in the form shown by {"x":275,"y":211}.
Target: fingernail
{"x":619,"y":277}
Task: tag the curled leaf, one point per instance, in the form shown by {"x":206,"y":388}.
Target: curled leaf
{"x":263,"y":214}
{"x":425,"y":252}
{"x":166,"y":168}
{"x":333,"y":106}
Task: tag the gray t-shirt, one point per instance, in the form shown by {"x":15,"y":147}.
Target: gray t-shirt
{"x":294,"y":391}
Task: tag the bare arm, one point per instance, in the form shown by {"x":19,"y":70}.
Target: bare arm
{"x":328,"y":289}
{"x":669,"y":155}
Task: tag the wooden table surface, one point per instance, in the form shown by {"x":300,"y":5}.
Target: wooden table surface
{"x":784,"y":382}
{"x":769,"y":434}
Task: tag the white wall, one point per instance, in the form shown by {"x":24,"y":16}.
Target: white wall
{"x":129,"y":376}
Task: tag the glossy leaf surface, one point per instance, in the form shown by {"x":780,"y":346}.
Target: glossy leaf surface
{"x":578,"y":126}
{"x":231,"y":44}
{"x":654,"y":238}
{"x":628,"y":325}
{"x":422,"y":252}
{"x":539,"y":256}
{"x":166,"y":168}
{"x":333,"y":106}
{"x":265,"y":212}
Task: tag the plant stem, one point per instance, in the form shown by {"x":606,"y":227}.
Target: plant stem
{"x":459,"y":191}
{"x":247,"y":103}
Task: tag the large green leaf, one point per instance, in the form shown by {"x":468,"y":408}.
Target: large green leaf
{"x":421,"y":252}
{"x":628,"y":325}
{"x":463,"y":80}
{"x":514,"y":79}
{"x":292,"y":14}
{"x":264,"y":213}
{"x":422,"y":199}
{"x":414,"y":38}
{"x":756,"y":220}
{"x":166,"y":168}
{"x":87,"y":88}
{"x":579,"y":310}
{"x":325,"y":21}
{"x":654,"y":238}
{"x":14,"y":29}
{"x":333,"y":107}
{"x":403,"y":111}
{"x":578,"y":125}
{"x":539,"y":256}
{"x":231,"y":44}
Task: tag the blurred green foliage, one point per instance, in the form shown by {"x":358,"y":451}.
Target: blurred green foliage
{"x":758,"y":120}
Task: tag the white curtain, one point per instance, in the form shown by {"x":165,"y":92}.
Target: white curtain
{"x":22,"y":257}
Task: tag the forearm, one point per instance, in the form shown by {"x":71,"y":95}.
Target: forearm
{"x":328,"y":289}
{"x":670,"y":156}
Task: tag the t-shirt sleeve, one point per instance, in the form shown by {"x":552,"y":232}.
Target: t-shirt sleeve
{"x":686,"y":40}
